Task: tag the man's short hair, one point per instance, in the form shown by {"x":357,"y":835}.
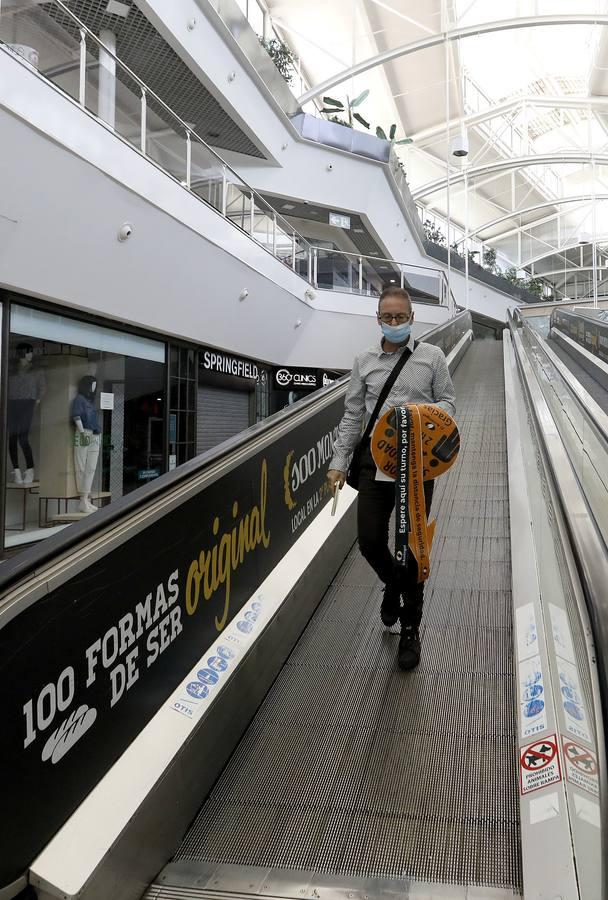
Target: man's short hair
{"x":394,"y":291}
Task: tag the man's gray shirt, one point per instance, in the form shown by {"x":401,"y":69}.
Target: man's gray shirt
{"x":425,"y":378}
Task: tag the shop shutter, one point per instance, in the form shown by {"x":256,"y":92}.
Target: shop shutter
{"x":220,"y":414}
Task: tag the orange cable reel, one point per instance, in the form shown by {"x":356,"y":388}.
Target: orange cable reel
{"x":430,"y":448}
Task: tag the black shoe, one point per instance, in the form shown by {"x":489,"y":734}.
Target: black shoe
{"x":391,"y":605}
{"x":409,"y":647}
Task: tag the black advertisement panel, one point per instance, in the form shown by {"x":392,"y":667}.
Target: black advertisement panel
{"x":288,"y":378}
{"x":84,"y":669}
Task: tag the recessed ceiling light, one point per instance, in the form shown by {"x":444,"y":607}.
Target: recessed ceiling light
{"x":288,"y":206}
{"x":313,"y":212}
{"x":115,"y":8}
{"x":358,"y":231}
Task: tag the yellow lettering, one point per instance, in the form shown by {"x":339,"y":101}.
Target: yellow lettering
{"x":193,"y":576}
{"x":216,"y":565}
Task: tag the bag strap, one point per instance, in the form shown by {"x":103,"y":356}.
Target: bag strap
{"x":392,"y":378}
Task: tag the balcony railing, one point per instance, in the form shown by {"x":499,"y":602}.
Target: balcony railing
{"x":55,"y":43}
{"x":61,"y":48}
{"x":337,"y":270}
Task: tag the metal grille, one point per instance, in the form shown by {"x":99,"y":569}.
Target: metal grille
{"x":354,"y":768}
{"x":220,"y":414}
{"x":140,"y":47}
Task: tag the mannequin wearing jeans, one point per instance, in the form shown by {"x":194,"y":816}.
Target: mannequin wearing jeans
{"x":86,"y":440}
{"x":26,"y":387}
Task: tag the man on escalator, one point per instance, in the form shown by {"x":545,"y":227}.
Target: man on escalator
{"x":423,"y":377}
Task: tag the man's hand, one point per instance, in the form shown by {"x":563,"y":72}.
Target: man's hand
{"x":336,"y":480}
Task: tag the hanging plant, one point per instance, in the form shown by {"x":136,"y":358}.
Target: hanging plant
{"x":281,"y":55}
{"x":335,"y":107}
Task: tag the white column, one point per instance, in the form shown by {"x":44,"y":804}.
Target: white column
{"x":447,"y":167}
{"x":106,"y":106}
{"x":466,"y":240}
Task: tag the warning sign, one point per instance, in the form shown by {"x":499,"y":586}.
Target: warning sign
{"x":581,"y":767}
{"x":539,"y":765}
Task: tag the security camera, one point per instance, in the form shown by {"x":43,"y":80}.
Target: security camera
{"x":125,"y":231}
{"x":330,"y":167}
{"x":460,"y":145}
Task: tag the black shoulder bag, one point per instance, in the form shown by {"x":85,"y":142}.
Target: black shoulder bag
{"x":352,"y":476}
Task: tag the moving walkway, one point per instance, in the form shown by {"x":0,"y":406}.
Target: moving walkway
{"x":201,"y":700}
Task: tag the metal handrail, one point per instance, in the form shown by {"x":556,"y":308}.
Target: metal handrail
{"x":590,"y":555}
{"x":377,"y":259}
{"x":443,"y":295}
{"x":572,"y":383}
{"x":189,"y":132}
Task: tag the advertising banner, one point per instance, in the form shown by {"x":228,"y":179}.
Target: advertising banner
{"x":83,"y":669}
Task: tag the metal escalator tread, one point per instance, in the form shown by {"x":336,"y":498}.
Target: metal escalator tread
{"x":593,"y":387}
{"x":354,"y":768}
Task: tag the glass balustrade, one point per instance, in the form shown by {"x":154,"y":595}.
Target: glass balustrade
{"x":49,"y":39}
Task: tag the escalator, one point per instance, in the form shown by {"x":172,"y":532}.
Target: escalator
{"x":338,"y":773}
{"x":201,"y":701}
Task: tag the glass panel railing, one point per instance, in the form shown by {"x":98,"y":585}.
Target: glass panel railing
{"x":340,"y":271}
{"x":52,"y":40}
{"x":284,"y":244}
{"x":238,"y":204}
{"x":303,"y":257}
{"x":206,"y":174}
{"x":37,"y":38}
{"x":263,"y":223}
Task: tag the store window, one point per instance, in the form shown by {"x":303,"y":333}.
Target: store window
{"x":262,"y":395}
{"x":182,"y":413}
{"x":86,"y":419}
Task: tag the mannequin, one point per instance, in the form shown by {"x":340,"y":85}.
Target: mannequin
{"x":26,"y":388}
{"x":86,"y":440}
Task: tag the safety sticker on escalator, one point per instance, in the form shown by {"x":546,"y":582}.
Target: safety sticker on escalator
{"x":532,"y":704}
{"x":581,"y":766}
{"x":539,"y":765}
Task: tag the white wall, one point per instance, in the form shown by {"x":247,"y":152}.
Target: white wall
{"x":63,"y":199}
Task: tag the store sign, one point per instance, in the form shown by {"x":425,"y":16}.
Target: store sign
{"x":225,"y":364}
{"x":288,"y":379}
{"x":83,"y":669}
{"x":339,"y":220}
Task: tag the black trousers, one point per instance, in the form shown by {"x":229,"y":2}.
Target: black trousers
{"x":376,"y":503}
{"x":20,"y":414}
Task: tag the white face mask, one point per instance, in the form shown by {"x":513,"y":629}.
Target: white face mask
{"x":93,"y":387}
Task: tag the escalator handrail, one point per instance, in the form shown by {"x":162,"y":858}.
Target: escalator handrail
{"x":590,"y":556}
{"x":572,"y":383}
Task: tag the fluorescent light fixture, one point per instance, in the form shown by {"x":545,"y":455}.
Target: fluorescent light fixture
{"x":115,"y":8}
{"x":288,"y":206}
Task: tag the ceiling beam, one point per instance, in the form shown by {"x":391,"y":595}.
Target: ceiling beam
{"x":579,"y":198}
{"x":380,"y":59}
{"x":515,"y":162}
{"x":427,"y":135}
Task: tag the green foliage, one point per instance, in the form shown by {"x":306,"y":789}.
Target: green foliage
{"x":333,"y":106}
{"x":535,"y":286}
{"x":381,"y":133}
{"x":281,"y":55}
{"x":433,"y":234}
{"x":489,"y":259}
